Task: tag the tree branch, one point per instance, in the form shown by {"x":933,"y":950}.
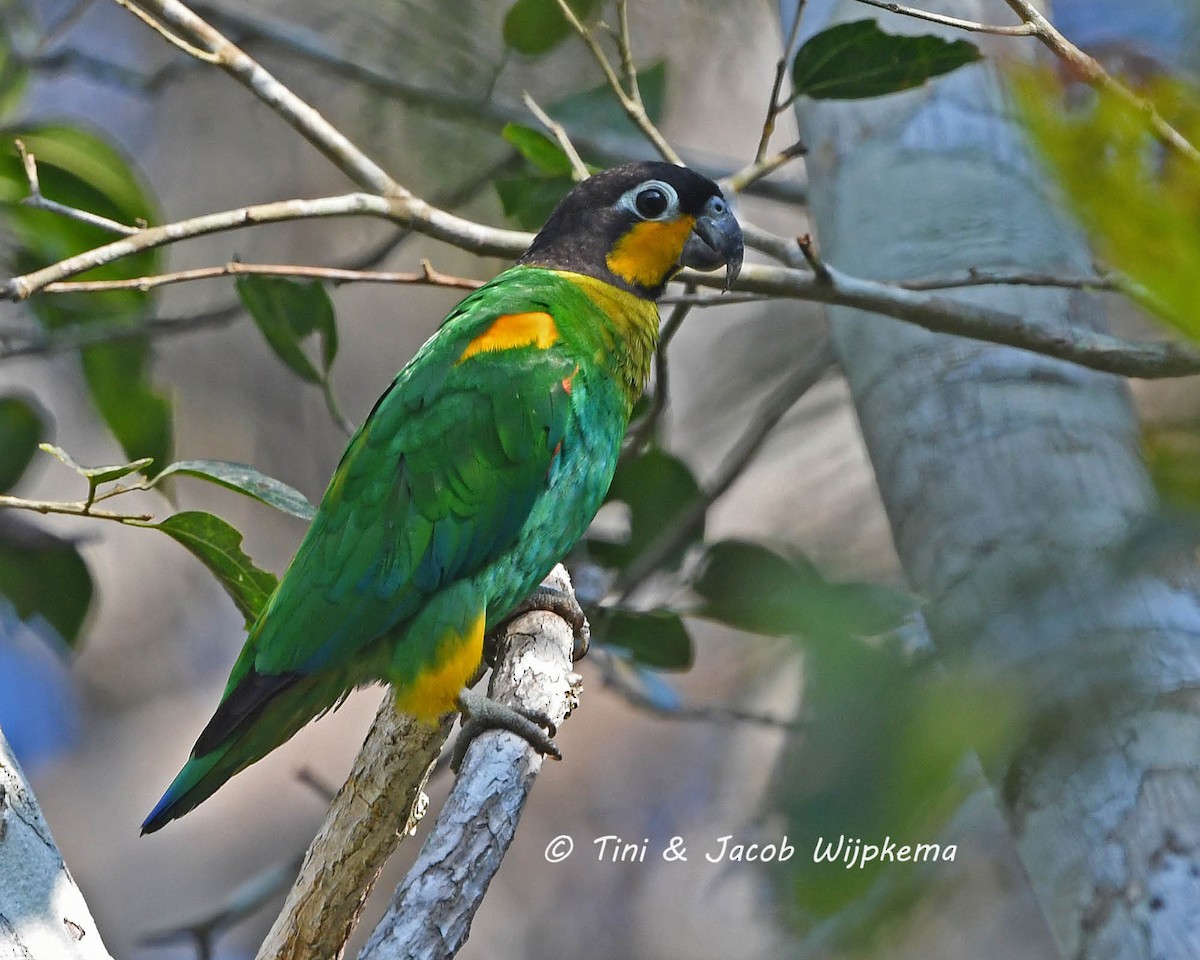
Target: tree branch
{"x":1017,"y":30}
{"x":376,"y":808}
{"x":432,"y":909}
{"x":43,"y":916}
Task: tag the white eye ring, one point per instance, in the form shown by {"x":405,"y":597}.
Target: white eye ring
{"x":651,"y":200}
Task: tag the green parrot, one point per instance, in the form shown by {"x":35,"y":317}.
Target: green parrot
{"x":477,"y":470}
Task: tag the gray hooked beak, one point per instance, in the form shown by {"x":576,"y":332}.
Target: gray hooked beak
{"x":715,"y":241}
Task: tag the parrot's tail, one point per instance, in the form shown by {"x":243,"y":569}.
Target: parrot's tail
{"x":240,"y":734}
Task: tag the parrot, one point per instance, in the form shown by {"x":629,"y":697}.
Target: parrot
{"x":477,"y":470}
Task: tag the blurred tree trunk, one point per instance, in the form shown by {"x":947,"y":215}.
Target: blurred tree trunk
{"x":1011,"y":483}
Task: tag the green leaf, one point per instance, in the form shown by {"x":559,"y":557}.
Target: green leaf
{"x":654,"y":639}
{"x":95,"y":475}
{"x":533,"y":27}
{"x":44,"y":575}
{"x":754,"y":587}
{"x":1139,"y":203}
{"x":219,"y":547}
{"x":852,"y":61}
{"x":138,"y":415}
{"x":546,"y":155}
{"x":245,"y":479}
{"x":530,"y":199}
{"x":82,"y":170}
{"x":288,"y":311}
{"x":657,"y":488}
{"x":23,"y":423}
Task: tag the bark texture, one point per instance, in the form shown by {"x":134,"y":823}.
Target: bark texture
{"x":431,"y":912}
{"x":43,"y":915}
{"x":1013,"y":484}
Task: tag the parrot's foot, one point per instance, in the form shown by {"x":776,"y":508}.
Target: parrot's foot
{"x":482,"y":713}
{"x":564,"y":605}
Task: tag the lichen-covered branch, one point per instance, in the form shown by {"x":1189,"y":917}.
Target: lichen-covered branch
{"x":431,"y":911}
{"x":375,"y":809}
{"x":43,"y":916}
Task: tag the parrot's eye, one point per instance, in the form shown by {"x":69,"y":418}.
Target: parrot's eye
{"x":650,"y":200}
{"x":651,"y":203}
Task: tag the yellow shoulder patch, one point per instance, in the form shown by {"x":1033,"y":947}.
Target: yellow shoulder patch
{"x":647,"y":253}
{"x":514,"y":330}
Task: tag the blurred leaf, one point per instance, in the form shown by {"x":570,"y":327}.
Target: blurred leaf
{"x":245,"y":479}
{"x":597,"y":110}
{"x":1139,"y":202}
{"x":657,"y":488}
{"x":44,"y":575}
{"x":13,"y":72}
{"x":754,"y":587}
{"x":219,"y":547}
{"x":882,"y":758}
{"x":95,"y":475}
{"x":22,"y":424}
{"x":82,"y":170}
{"x":288,"y":311}
{"x":852,"y":61}
{"x":653,"y":639}
{"x":546,"y":155}
{"x":533,"y":27}
{"x":530,"y":199}
{"x":138,"y":415}
{"x":1173,"y":456}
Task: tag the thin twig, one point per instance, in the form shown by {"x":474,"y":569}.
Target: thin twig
{"x":631,"y":101}
{"x":984,"y":278}
{"x":73,"y":508}
{"x":773,"y":105}
{"x":318,"y":131}
{"x":579,"y":169}
{"x":41,"y":202}
{"x":765,"y":420}
{"x":808,"y":247}
{"x":762,"y":167}
{"x":614,"y":677}
{"x":335,"y":275}
{"x":205,"y":56}
{"x":1019,"y":30}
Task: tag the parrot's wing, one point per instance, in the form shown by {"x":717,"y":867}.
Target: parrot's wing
{"x":435,"y":486}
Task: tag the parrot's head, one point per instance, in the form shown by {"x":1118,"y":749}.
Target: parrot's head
{"x":637,"y":225}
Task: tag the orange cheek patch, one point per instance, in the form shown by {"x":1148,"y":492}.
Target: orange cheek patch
{"x":648,"y":252}
{"x":514,"y":330}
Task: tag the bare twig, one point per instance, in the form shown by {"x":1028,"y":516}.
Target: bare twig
{"x":985,"y":278}
{"x":773,"y":105}
{"x":377,"y":807}
{"x":808,"y":247}
{"x":785,"y":396}
{"x":431,"y":911}
{"x":762,"y":167}
{"x":579,"y":169}
{"x":631,"y":101}
{"x":74,"y":508}
{"x":335,"y":275}
{"x":205,"y":56}
{"x":38,"y":200}
{"x":612,"y":671}
{"x":1018,"y":30}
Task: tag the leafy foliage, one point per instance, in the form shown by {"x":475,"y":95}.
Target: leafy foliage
{"x":754,"y":587}
{"x":44,"y":575}
{"x":289,"y":311}
{"x":82,"y":170}
{"x":534,"y":27}
{"x":219,"y":547}
{"x":246,"y":479}
{"x":22,"y":425}
{"x":655,"y":639}
{"x":529,"y":197}
{"x":1139,"y":202}
{"x":657,"y":487}
{"x":853,"y":61}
